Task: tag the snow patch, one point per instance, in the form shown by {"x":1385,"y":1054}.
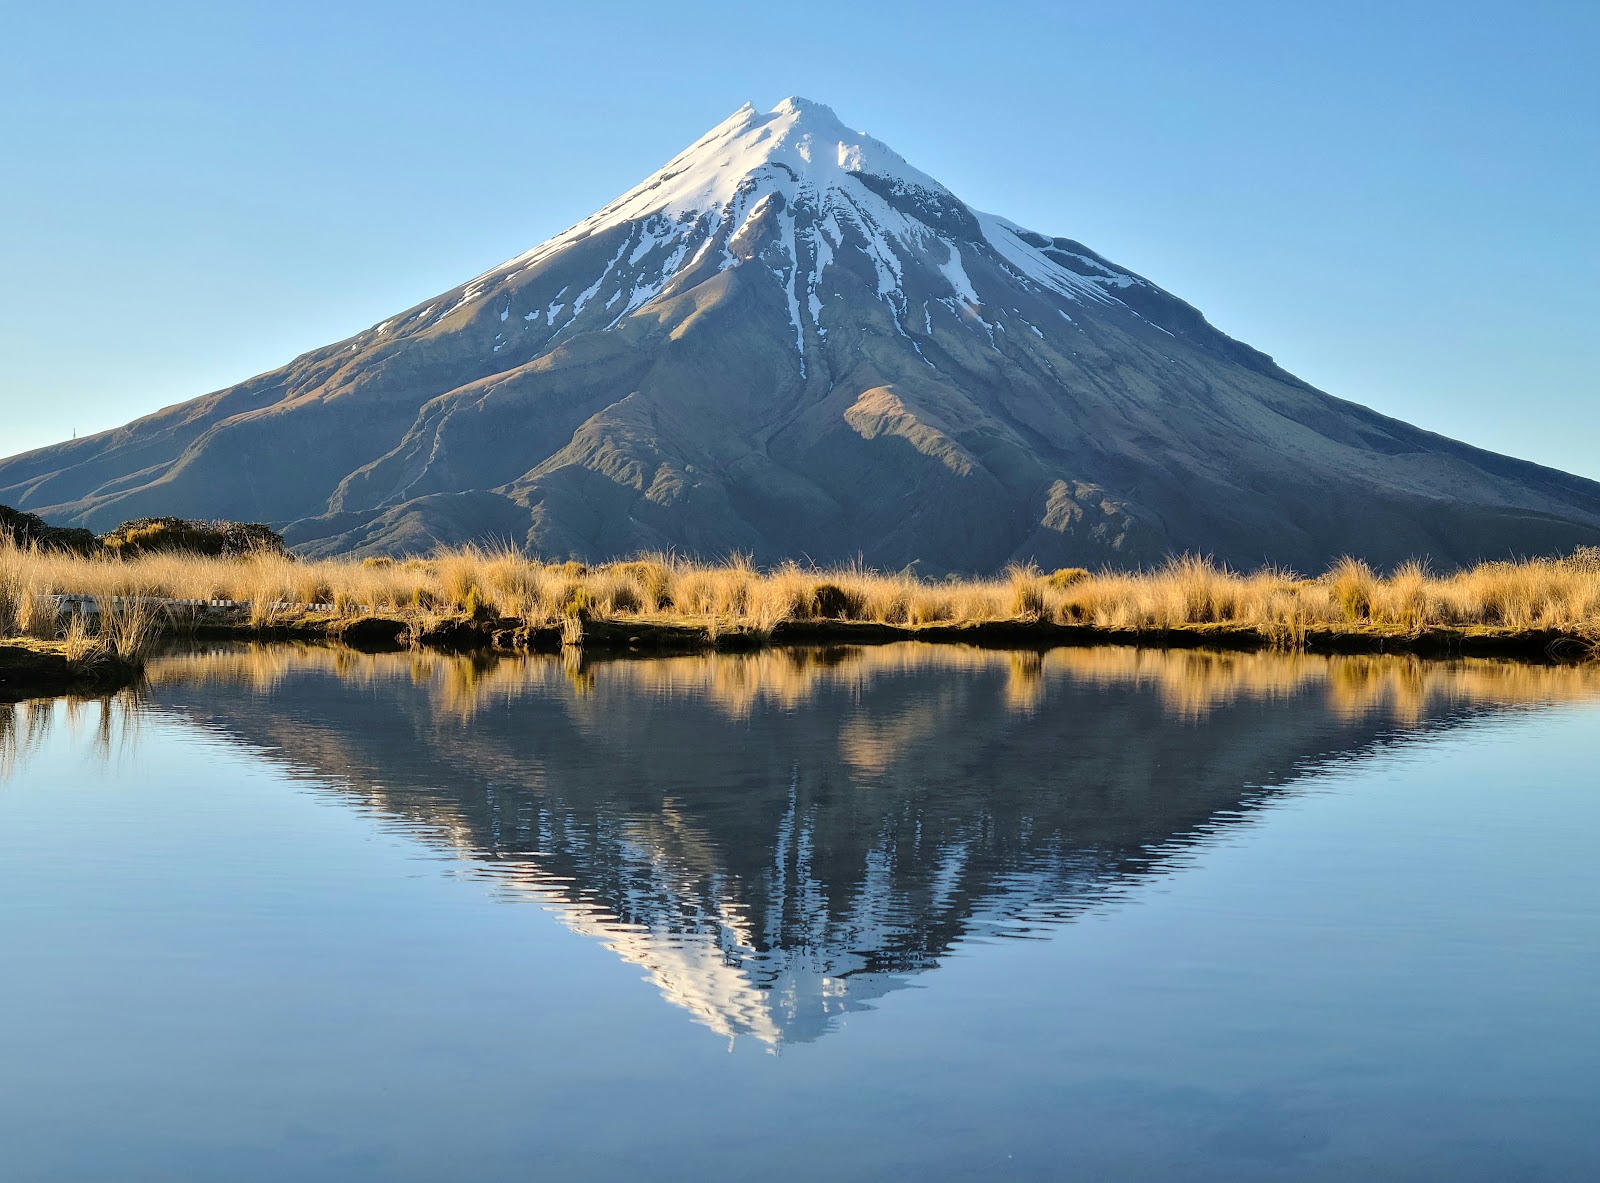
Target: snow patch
{"x":957,"y":276}
{"x":1032,"y":264}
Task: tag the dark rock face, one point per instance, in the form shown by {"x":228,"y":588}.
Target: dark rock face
{"x":791,"y":343}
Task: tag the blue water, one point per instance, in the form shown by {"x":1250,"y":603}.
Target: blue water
{"x":878,"y":914}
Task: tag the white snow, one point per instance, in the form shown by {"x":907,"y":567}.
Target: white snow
{"x":707,"y":206}
{"x":706,"y":176}
{"x":957,"y":275}
{"x":588,"y":293}
{"x":1032,"y":264}
{"x":556,"y":305}
{"x":791,"y":287}
{"x":657,"y":231}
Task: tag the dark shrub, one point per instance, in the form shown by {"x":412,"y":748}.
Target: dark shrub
{"x":1585,"y":559}
{"x":28,"y":529}
{"x":221,"y":539}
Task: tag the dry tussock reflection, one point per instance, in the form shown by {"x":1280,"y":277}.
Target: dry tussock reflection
{"x":22,"y":728}
{"x":459,"y":685}
{"x":108,"y":728}
{"x":1190,"y":683}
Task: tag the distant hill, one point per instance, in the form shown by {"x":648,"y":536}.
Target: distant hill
{"x":790,"y":342}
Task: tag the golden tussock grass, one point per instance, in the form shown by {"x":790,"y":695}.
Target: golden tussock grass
{"x":489,"y":584}
{"x":119,"y":625}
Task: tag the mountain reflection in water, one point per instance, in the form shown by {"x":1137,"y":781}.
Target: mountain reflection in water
{"x":781,"y":837}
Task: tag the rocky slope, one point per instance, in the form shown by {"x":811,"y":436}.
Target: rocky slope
{"x":790,"y":342}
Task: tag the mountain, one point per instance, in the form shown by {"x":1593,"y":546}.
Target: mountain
{"x":790,"y":342}
{"x":777,"y":840}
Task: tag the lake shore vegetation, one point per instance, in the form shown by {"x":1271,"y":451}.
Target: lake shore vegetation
{"x":116,"y":600}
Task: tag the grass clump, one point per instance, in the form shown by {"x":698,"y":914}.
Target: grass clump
{"x":829,"y":601}
{"x":1351,"y":583}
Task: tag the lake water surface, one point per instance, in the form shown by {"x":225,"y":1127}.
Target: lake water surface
{"x":908,"y":912}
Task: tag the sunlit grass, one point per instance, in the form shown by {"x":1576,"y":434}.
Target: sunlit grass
{"x":121,"y":627}
{"x":485,"y":584}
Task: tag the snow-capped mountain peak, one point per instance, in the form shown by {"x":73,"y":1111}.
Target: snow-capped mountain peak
{"x":792,"y":191}
{"x":800,"y":141}
{"x":791,"y":342}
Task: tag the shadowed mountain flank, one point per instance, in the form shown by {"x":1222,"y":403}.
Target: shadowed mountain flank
{"x":780,"y":838}
{"x":792,"y":343}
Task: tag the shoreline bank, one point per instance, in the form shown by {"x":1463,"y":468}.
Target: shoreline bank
{"x":31,"y":668}
{"x":647,"y":635}
{"x":41,"y":669}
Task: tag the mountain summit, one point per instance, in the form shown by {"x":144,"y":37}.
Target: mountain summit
{"x":790,"y":342}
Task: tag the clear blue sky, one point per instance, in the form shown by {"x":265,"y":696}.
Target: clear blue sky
{"x":1396,"y":200}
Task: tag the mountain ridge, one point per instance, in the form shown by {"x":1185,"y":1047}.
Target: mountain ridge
{"x":790,"y":342}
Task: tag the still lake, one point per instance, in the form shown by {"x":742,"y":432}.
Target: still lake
{"x":908,"y":912}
